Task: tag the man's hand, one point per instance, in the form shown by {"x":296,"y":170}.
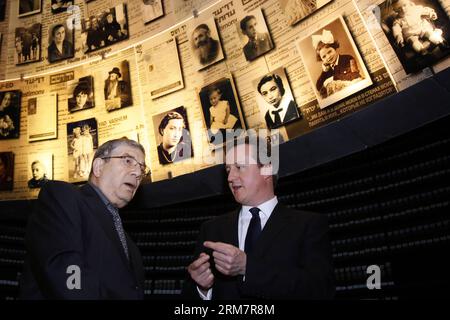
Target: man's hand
{"x":228,"y":259}
{"x":200,"y":272}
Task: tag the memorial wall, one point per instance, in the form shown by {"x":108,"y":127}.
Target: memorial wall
{"x":176,"y":75}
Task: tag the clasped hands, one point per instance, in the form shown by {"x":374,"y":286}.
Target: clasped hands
{"x":228,"y":259}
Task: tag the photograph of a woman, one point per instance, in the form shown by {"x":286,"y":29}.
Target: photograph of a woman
{"x":61,"y":43}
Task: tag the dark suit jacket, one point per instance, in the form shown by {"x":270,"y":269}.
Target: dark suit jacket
{"x":72,"y":226}
{"x":292,"y":258}
{"x":291,"y":114}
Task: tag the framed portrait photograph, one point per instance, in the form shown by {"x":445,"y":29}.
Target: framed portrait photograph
{"x":105,"y":28}
{"x":418,"y":31}
{"x":29,"y":7}
{"x":333,"y":63}
{"x":296,"y":10}
{"x":28,"y":44}
{"x":42,"y":112}
{"x":10,"y":114}
{"x":60,"y":5}
{"x":205,"y":43}
{"x":254,"y":35}
{"x":117,"y":88}
{"x":61,"y":41}
{"x":173,"y":137}
{"x":40,"y":169}
{"x":152,"y":10}
{"x":82,"y":141}
{"x":81,"y":93}
{"x":275,"y":99}
{"x":221,"y":109}
{"x":6,"y":171}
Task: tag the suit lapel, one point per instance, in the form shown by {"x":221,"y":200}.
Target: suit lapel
{"x":274,"y":225}
{"x":99,"y":210}
{"x":230,"y":229}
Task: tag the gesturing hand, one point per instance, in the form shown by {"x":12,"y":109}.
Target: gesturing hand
{"x":200,"y":272}
{"x":228,"y":259}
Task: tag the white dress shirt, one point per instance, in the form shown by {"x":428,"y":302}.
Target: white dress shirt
{"x":266,"y":209}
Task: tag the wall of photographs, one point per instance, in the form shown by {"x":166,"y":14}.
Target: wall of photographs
{"x":175,"y":75}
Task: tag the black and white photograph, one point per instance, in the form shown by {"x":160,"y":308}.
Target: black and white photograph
{"x":10,"y":114}
{"x":333,"y":63}
{"x":275,"y":100}
{"x":6,"y":171}
{"x":418,"y":31}
{"x":42,"y":117}
{"x":117,"y":88}
{"x":296,"y":10}
{"x":152,"y":10}
{"x":61,"y":41}
{"x":254,"y":35}
{"x":205,"y":43}
{"x":82,"y":141}
{"x":60,"y":6}
{"x":28,"y":44}
{"x":29,"y":7}
{"x":221,"y":109}
{"x":103,"y":29}
{"x":40,"y":169}
{"x":81,"y":94}
{"x":173,"y":137}
{"x":2,"y":9}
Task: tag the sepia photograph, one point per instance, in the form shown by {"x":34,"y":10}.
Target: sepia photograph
{"x":61,"y":40}
{"x":6,"y":171}
{"x":221,"y":109}
{"x":28,"y":44}
{"x":205,"y":43}
{"x":82,"y":141}
{"x":2,"y":9}
{"x":296,"y":10}
{"x":103,"y":29}
{"x":333,"y":63}
{"x":418,"y":31}
{"x":42,"y":117}
{"x":254,"y":35}
{"x":10,"y":114}
{"x":172,"y":134}
{"x":275,"y":100}
{"x":152,"y":10}
{"x":40,"y":169}
{"x":117,"y":87}
{"x":82,"y":94}
{"x":60,"y":6}
{"x":29,"y":7}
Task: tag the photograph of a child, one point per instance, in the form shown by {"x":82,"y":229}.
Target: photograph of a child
{"x":275,"y":100}
{"x":82,"y":141}
{"x":27,"y":44}
{"x":172,"y":136}
{"x":103,"y":29}
{"x":333,"y":63}
{"x":61,"y":40}
{"x":418,"y":31}
{"x":296,"y":10}
{"x":221,"y":110}
{"x":254,"y":34}
{"x":82,"y":92}
{"x":10,"y":114}
{"x":41,"y":169}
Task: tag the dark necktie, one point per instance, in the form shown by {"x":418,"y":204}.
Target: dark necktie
{"x":276,"y":113}
{"x":253,"y":231}
{"x":119,"y":228}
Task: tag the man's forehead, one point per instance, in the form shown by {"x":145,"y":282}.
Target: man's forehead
{"x":240,"y":154}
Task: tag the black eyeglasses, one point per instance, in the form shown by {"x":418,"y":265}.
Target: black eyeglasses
{"x":131,"y":163}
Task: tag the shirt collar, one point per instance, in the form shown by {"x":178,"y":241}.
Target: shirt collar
{"x":102,"y":196}
{"x":265,"y":207}
{"x":283,"y":106}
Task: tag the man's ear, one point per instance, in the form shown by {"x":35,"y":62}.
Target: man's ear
{"x":97,"y":167}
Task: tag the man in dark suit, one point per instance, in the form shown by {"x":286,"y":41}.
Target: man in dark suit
{"x":263,"y":250}
{"x":77,"y":248}
{"x":258,"y":42}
